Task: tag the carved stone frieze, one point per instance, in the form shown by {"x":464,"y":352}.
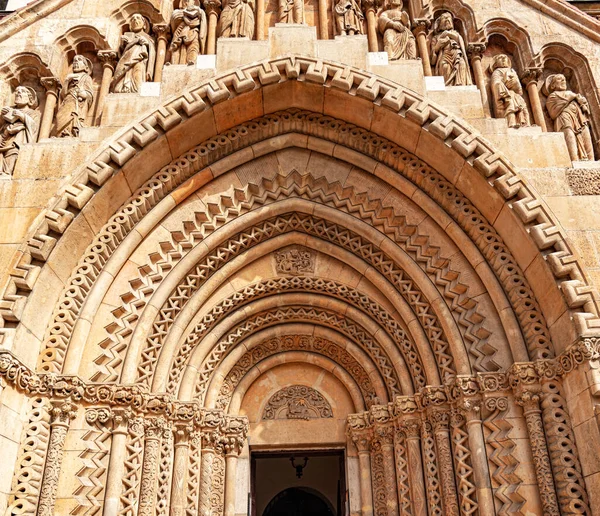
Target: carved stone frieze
{"x":297,"y":402}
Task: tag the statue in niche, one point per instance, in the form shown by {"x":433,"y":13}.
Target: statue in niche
{"x":189,"y":33}
{"x":448,"y":52}
{"x":570,"y":113}
{"x":237,"y":19}
{"x":78,"y":95}
{"x":137,"y":56}
{"x":291,"y":11}
{"x":394,"y":26}
{"x":507,"y":93}
{"x":348,"y":17}
{"x":19,"y":124}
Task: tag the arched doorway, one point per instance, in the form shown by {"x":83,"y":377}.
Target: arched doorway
{"x":298,"y":501}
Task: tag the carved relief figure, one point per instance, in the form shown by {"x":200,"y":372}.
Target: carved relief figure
{"x":295,"y":261}
{"x":189,"y":33}
{"x":137,"y":56}
{"x":570,"y":113}
{"x":507,"y":93}
{"x":78,"y":95}
{"x":19,"y":124}
{"x":348,"y":17}
{"x":237,"y":19}
{"x":448,"y":52}
{"x":291,"y":11}
{"x":297,"y":402}
{"x":394,"y":25}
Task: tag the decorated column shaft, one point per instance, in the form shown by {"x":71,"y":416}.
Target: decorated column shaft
{"x":61,"y":412}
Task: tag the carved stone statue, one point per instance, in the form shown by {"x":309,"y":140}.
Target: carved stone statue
{"x":291,"y":11}
{"x":448,"y":52}
{"x":348,"y":17}
{"x":394,"y":25}
{"x":570,"y":112}
{"x":507,"y":93}
{"x":189,"y":33}
{"x":19,"y":124}
{"x":77,"y":98}
{"x":137,"y":54}
{"x":237,"y":19}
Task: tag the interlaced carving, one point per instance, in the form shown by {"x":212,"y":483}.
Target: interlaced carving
{"x":92,"y":476}
{"x":462,"y":464}
{"x":289,"y":314}
{"x":402,"y":479}
{"x":297,"y":402}
{"x":434,"y":493}
{"x":502,"y":461}
{"x":164,"y":473}
{"x":193,"y":477}
{"x":133,"y":468}
{"x":292,"y":343}
{"x":378,"y":479}
{"x":568,"y":478}
{"x":27,"y":480}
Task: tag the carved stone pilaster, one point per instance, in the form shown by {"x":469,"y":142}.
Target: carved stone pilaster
{"x":529,"y":399}
{"x":440,"y":420}
{"x":154,"y":430}
{"x":61,"y":413}
{"x":412,"y":430}
{"x":212,"y":474}
{"x":181,"y":433}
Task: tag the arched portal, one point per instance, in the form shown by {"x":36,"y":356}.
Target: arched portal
{"x":297,"y":224}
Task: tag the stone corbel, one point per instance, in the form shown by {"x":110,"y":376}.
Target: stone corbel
{"x":475,"y":51}
{"x":52,"y":86}
{"x":420,"y":28}
{"x":530,"y":78}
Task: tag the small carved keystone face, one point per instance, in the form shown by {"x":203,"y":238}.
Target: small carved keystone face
{"x":295,"y":260}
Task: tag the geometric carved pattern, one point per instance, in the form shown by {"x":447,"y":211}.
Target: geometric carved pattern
{"x":297,"y":402}
{"x":292,"y":343}
{"x":289,"y":314}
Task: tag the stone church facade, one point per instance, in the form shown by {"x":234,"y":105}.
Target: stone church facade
{"x":337,"y":252}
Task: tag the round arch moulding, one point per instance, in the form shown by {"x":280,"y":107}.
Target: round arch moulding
{"x":371,"y":103}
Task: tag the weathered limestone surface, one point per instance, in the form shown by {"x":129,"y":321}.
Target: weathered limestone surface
{"x":301,"y":238}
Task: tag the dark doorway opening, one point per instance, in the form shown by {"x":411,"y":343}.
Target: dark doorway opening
{"x":298,"y":501}
{"x":312,"y":484}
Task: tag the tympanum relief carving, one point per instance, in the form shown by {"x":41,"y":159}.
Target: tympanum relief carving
{"x":297,"y":402}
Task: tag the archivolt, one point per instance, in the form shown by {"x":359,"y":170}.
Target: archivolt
{"x":409,"y":109}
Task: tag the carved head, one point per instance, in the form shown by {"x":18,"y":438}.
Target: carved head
{"x":25,"y":96}
{"x":556,"y":82}
{"x":82,"y":64}
{"x":445,"y":22}
{"x":188,"y":4}
{"x":501,"y":61}
{"x":396,"y":4}
{"x":138,"y":23}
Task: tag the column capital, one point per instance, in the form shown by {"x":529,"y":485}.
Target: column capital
{"x":108,"y":58}
{"x":62,"y":412}
{"x":370,"y":5}
{"x":51,"y":84}
{"x":476,"y":50}
{"x":531,"y":75}
{"x":161,"y":30}
{"x":421,"y":25}
{"x":212,"y":6}
{"x":411,"y":427}
{"x":440,"y":420}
